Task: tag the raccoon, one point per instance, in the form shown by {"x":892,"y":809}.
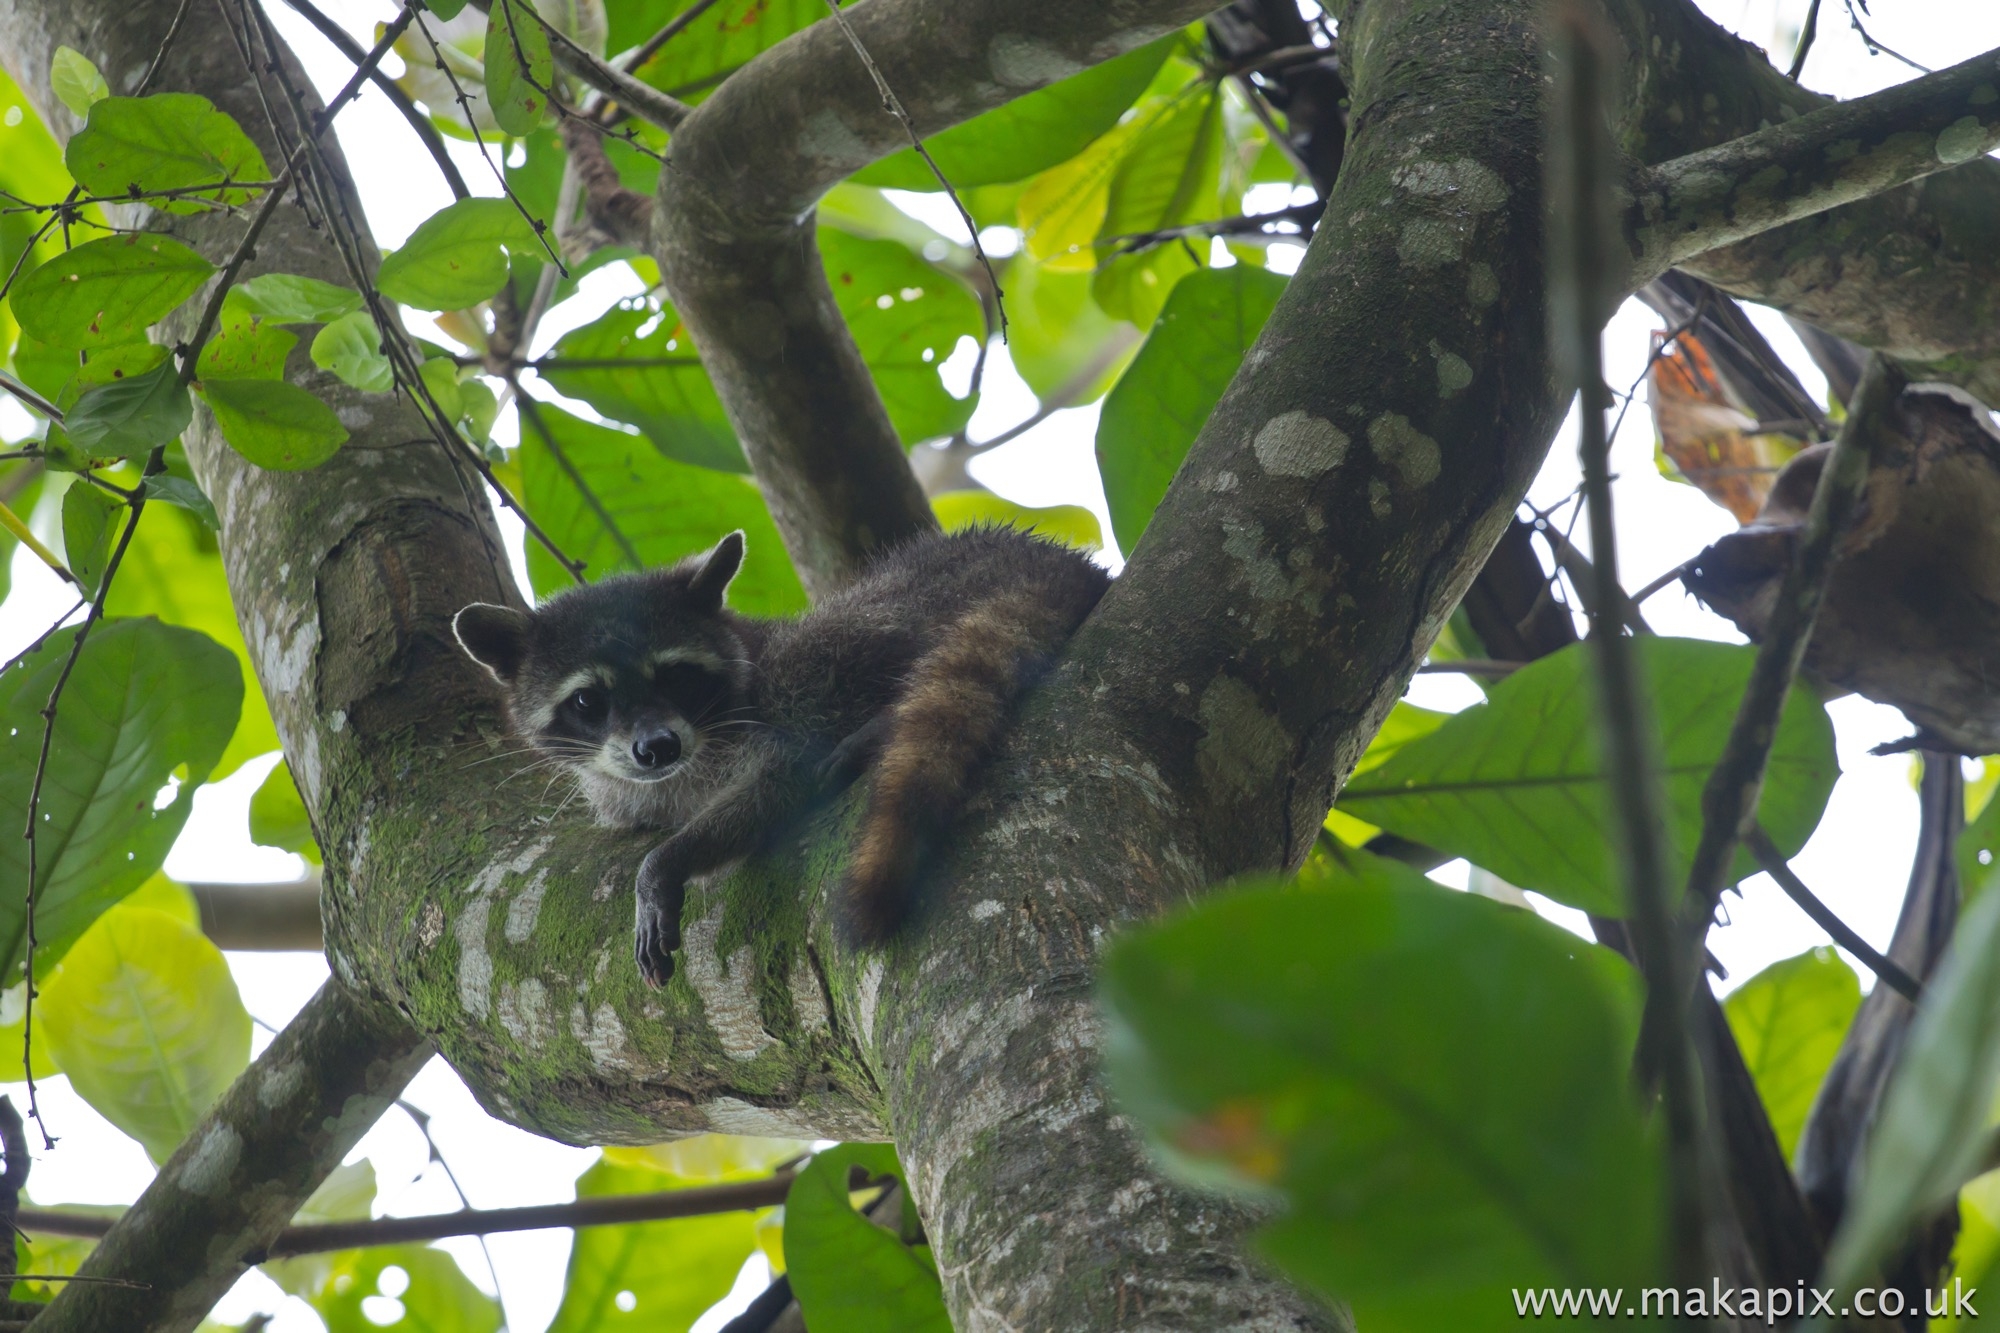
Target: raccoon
{"x":675,"y":713}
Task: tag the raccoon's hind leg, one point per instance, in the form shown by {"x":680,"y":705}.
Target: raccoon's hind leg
{"x":954,"y":709}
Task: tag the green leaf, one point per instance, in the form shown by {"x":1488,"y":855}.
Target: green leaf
{"x":1066,"y":348}
{"x":906,"y":317}
{"x":146,"y":700}
{"x":519,"y":68}
{"x":76,"y":82}
{"x":1933,"y":1132}
{"x":351,"y":347}
{"x":131,"y":416}
{"x":440,"y":377}
{"x":286,"y":298}
{"x":616,"y":1279}
{"x":346,"y":1195}
{"x":144,"y":1017}
{"x":173,"y":570}
{"x":1028,"y":134}
{"x":1978,"y":850}
{"x":1406,"y":722}
{"x":278,"y":816}
{"x":1160,"y":403}
{"x":89,"y":522}
{"x":849,"y":1275}
{"x":674,"y":404}
{"x":1436,"y":1085}
{"x":107,"y":365}
{"x":183,"y":492}
{"x":274,"y":424}
{"x":1514,"y":784}
{"x":432,"y":1293}
{"x":108,"y":290}
{"x":245,"y":348}
{"x":457,"y":257}
{"x":1789,"y":1020}
{"x":665,"y":510}
{"x":724,"y":38}
{"x":169,"y":141}
{"x":1072,"y":525}
{"x":445,"y":9}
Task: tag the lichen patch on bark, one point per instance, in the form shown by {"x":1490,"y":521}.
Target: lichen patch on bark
{"x":724,"y":985}
{"x":1299,"y":444}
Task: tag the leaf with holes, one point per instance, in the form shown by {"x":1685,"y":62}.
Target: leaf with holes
{"x":274,"y":424}
{"x":132,"y":415}
{"x":458,"y":256}
{"x":1789,"y":1021}
{"x":906,"y":318}
{"x":145,"y":703}
{"x":169,"y":141}
{"x":519,"y":67}
{"x":615,"y":1279}
{"x":401,"y":1289}
{"x":657,"y":511}
{"x":662,"y":389}
{"x":1516,"y":784}
{"x":1433,"y":1087}
{"x":108,"y":365}
{"x":245,"y":349}
{"x":109,"y":290}
{"x":351,"y":347}
{"x":1161,"y":402}
{"x":145,"y":1019}
{"x":1028,"y":134}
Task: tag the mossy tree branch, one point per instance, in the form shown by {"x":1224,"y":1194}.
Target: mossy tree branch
{"x":1835,"y":155}
{"x":733,"y":234}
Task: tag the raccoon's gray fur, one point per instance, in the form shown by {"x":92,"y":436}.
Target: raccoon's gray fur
{"x":676,"y":713}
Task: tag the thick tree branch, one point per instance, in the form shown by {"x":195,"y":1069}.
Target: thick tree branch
{"x":246,"y":1168}
{"x":1835,"y":155}
{"x":733,"y":233}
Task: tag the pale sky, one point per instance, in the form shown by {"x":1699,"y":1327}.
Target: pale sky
{"x":1858,"y":861}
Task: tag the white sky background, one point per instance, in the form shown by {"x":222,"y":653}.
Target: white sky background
{"x":1858,"y":860}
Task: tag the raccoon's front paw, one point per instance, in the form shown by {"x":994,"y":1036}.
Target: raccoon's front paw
{"x":656,"y":927}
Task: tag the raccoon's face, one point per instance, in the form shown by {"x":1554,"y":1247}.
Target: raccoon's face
{"x":627,"y":679}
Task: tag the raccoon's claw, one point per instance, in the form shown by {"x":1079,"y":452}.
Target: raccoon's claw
{"x":656,"y":927}
{"x":848,"y":759}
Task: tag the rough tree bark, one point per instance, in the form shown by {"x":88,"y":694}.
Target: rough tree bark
{"x":1327,"y":520}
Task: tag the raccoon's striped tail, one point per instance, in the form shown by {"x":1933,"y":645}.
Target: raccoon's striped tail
{"x":953,"y":711}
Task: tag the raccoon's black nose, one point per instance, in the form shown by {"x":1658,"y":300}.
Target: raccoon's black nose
{"x":657,"y":750}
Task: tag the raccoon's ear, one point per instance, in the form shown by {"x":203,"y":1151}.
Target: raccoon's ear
{"x":711,"y":580}
{"x":496,"y":637}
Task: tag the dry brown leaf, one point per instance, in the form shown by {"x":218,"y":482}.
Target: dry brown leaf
{"x":1711,"y":441}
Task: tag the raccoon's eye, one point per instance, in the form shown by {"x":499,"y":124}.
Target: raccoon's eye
{"x":588,"y":704}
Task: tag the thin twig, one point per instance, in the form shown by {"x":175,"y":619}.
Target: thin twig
{"x":30,"y":397}
{"x":155,"y":463}
{"x":894,"y":106}
{"x":426,"y":132}
{"x":641,"y":99}
{"x":1729,"y":798}
{"x":1774,"y":864}
{"x":1806,"y":36}
{"x":1661,"y":582}
{"x":1470,"y":666}
{"x":191,"y":350}
{"x":674,"y":28}
{"x":166,"y":42}
{"x":1876,"y":48}
{"x":61,"y":622}
{"x":532,"y":410}
{"x":606,"y":1210}
{"x":422,"y":1120}
{"x":365,"y":68}
{"x":1631,"y":741}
